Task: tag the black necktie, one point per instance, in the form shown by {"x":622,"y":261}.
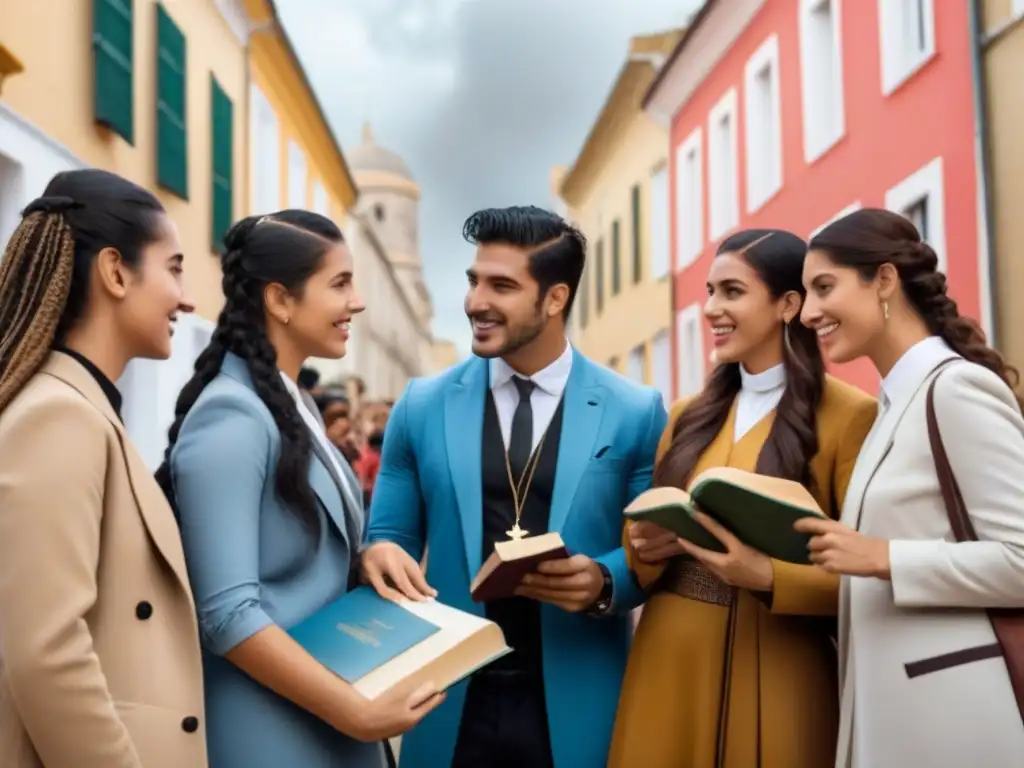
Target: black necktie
{"x":520,"y":444}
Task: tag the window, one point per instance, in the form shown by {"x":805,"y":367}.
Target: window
{"x":222,"y":162}
{"x":320,"y":202}
{"x":113,"y":66}
{"x":821,"y":75}
{"x":661,"y":365}
{"x":722,"y":166}
{"x":296,"y":176}
{"x":599,"y":278}
{"x":659,"y":224}
{"x":689,"y":200}
{"x":638,"y":267}
{"x":690,"y":351}
{"x":907,"y":30}
{"x":616,"y":257}
{"x":845,"y":212}
{"x":266,"y":154}
{"x":763,"y":124}
{"x":583,"y":294}
{"x":636,"y":364}
{"x":171,"y":115}
{"x":921,"y":198}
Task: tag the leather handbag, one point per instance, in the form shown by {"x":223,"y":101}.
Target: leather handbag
{"x":1007,"y":623}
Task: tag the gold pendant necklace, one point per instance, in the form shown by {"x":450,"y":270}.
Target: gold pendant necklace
{"x":519,"y":493}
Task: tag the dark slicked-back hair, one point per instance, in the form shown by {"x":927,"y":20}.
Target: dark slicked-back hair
{"x":557,"y":249}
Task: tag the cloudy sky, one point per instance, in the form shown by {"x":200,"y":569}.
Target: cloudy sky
{"x":481,"y":98}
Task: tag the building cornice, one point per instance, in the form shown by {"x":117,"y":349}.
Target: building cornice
{"x":709,"y":36}
{"x":278,"y":62}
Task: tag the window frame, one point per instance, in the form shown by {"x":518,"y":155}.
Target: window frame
{"x":722,"y":221}
{"x":765,"y":159}
{"x":297,"y":193}
{"x":926,"y":182}
{"x":816,"y":141}
{"x":688,"y":250}
{"x":897,"y":67}
{"x":689,"y":366}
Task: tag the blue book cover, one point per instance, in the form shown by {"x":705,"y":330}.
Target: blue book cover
{"x":359,"y":632}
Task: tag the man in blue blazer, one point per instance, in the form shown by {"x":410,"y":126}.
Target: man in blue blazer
{"x":527,"y":436}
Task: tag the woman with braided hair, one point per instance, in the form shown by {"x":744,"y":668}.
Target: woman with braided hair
{"x":269,"y":511}
{"x":932,"y":530}
{"x":100,"y":664}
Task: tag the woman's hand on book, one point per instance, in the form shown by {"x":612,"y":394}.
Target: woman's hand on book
{"x":740,"y":565}
{"x":385,"y":564}
{"x":652,"y":543}
{"x":837,"y":548}
{"x":395,"y":712}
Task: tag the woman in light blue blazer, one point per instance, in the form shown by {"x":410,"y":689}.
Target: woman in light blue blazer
{"x":269,"y":511}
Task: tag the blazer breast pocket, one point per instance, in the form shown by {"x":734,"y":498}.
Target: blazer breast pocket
{"x":602,"y":463}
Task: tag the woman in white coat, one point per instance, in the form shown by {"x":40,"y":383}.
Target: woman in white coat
{"x":922,"y":681}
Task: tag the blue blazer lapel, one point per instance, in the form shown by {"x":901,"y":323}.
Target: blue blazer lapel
{"x":463,"y":428}
{"x":582,"y":410}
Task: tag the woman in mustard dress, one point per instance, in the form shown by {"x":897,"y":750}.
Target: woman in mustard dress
{"x":733,"y":664}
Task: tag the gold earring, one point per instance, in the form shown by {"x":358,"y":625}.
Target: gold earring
{"x":885,"y":309}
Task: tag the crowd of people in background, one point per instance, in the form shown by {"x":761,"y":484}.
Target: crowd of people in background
{"x":355,"y":424}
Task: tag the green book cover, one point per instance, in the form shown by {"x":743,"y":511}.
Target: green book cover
{"x":759,"y":510}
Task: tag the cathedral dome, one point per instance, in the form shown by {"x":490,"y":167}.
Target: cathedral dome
{"x":370,"y":157}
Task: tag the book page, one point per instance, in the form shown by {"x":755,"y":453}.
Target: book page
{"x":456,"y":627}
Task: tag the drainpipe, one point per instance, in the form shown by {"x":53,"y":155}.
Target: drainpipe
{"x":983,"y":157}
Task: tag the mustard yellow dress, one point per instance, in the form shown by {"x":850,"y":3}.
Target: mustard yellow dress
{"x":727,"y":679}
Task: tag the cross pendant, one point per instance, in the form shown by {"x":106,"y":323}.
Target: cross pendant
{"x":517,"y":533}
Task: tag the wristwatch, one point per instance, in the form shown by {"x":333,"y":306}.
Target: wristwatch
{"x":603,"y":603}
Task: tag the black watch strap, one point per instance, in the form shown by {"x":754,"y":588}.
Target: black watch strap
{"x":604,"y":600}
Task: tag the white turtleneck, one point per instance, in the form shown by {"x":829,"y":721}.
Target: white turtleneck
{"x":759,"y":395}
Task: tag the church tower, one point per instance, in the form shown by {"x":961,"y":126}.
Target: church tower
{"x":389,"y":198}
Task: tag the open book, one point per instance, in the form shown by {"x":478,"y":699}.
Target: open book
{"x":503,"y":572}
{"x":759,"y":510}
{"x":375,"y":644}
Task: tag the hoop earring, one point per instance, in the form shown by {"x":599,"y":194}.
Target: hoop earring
{"x":885,"y":310}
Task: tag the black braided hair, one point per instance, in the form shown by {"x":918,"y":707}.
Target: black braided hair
{"x":287,"y":248}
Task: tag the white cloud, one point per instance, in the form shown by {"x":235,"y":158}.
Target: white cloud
{"x":481,"y":98}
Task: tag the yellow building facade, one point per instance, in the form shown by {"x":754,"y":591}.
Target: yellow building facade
{"x":617,"y":192}
{"x":154,"y":91}
{"x":1001,"y":43}
{"x":294,"y":159}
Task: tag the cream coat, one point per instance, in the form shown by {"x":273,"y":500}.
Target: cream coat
{"x":100,"y":664}
{"x":964,"y":715}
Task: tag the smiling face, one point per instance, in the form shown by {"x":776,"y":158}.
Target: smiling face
{"x":842,"y":307}
{"x":155,"y":294}
{"x":319,"y":317}
{"x":746,"y":320}
{"x":503,"y":302}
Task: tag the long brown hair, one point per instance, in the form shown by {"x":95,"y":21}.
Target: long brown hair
{"x":777,"y":257}
{"x":866,"y":239}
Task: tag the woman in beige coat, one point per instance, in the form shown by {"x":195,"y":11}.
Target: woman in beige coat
{"x":922,"y":680}
{"x":99,"y":655}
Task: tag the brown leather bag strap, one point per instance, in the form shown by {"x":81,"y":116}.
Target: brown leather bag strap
{"x":1007,"y":623}
{"x":959,"y":520}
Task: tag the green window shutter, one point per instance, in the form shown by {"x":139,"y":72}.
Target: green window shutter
{"x":616,"y":258}
{"x":112,"y":66}
{"x":637,"y":261}
{"x":599,"y":278}
{"x":171,"y":116}
{"x":222,"y":166}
